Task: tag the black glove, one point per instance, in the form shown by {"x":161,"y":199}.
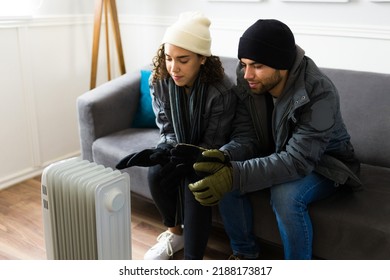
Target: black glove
{"x":162,"y":154}
{"x":183,"y":156}
{"x":189,"y":154}
{"x":172,"y":175}
{"x":148,"y":157}
{"x":186,"y":154}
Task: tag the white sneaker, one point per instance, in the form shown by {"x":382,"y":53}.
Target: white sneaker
{"x":168,"y":243}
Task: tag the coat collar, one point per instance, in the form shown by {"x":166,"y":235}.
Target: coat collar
{"x":295,"y":89}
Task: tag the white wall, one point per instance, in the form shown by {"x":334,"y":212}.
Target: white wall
{"x":45,"y":58}
{"x":43,"y":68}
{"x":351,"y":35}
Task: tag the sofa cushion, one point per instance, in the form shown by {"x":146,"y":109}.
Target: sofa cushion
{"x":349,"y":225}
{"x":144,"y":117}
{"x":365,"y":105}
{"x":108,"y":150}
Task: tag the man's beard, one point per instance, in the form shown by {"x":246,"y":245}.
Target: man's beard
{"x":268,"y":84}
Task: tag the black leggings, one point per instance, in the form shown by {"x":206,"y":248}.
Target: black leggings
{"x":195,"y":217}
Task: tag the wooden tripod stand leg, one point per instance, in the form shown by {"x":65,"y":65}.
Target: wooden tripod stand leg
{"x":96,"y":39}
{"x":100,"y":5}
{"x":117,"y":36}
{"x":106,"y":12}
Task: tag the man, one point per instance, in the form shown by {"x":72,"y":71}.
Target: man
{"x":296,"y":114}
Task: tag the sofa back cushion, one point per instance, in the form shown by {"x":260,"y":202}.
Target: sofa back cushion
{"x":229,"y":65}
{"x":365,"y":106}
{"x":144,"y":117}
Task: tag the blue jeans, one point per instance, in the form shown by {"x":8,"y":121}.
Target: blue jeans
{"x":237,"y":217}
{"x":290,"y":204}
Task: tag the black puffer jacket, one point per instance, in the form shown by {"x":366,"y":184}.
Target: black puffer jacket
{"x":307,"y":130}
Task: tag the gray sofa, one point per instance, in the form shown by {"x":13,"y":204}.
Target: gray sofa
{"x":348,"y":225}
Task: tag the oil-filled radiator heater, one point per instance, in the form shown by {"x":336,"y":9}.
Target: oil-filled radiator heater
{"x":86,"y":211}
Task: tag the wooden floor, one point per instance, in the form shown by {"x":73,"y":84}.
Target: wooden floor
{"x":22,"y":236}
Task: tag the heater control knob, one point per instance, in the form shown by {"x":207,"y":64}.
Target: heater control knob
{"x":114,"y":200}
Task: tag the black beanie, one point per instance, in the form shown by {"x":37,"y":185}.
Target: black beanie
{"x":269,"y":42}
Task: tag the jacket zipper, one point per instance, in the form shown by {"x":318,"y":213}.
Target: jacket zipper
{"x":286,"y":112}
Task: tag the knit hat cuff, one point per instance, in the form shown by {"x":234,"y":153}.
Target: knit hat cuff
{"x":188,"y":41}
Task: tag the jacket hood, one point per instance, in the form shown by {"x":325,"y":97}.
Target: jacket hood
{"x":298,"y":59}
{"x":295,"y":69}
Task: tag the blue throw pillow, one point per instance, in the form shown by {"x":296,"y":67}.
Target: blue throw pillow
{"x":144,"y":117}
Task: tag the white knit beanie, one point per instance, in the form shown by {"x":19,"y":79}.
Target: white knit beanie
{"x":190,"y":32}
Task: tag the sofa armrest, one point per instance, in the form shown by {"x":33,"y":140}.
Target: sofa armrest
{"x":106,"y":109}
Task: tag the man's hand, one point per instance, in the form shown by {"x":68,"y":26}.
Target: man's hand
{"x":211,"y":189}
{"x":214,"y":155}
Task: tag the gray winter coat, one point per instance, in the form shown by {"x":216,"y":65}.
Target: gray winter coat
{"x":217,"y":119}
{"x":307,"y":130}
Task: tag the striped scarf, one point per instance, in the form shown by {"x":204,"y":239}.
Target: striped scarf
{"x":187,"y":111}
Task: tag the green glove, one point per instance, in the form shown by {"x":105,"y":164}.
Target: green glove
{"x":211,"y":189}
{"x":210,"y":162}
{"x":214,"y":155}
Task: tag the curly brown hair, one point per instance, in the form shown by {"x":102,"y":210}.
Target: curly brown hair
{"x":211,"y":72}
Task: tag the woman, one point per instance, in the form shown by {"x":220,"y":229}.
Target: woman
{"x":193,"y":104}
